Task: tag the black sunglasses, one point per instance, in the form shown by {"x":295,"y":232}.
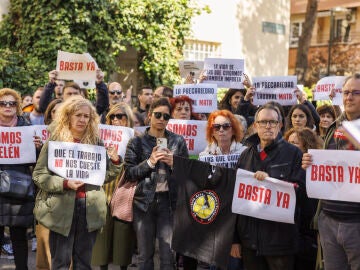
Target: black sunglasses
{"x":115,"y":92}
{"x":10,"y":103}
{"x":118,"y":116}
{"x":158,"y":115}
{"x":225,"y":126}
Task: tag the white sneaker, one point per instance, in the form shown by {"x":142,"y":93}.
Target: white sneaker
{"x":33,"y":244}
{"x":7,"y":252}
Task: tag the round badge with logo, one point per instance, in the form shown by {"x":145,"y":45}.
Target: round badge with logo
{"x":204,"y":206}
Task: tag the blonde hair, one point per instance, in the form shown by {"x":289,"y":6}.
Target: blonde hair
{"x":62,"y":130}
{"x":16,"y":95}
{"x":125,"y":108}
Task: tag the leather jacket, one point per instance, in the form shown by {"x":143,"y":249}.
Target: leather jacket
{"x":138,"y":151}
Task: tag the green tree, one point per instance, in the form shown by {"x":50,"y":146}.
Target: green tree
{"x":33,"y":31}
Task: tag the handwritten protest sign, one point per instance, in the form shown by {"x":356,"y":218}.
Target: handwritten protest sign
{"x":16,"y":145}
{"x":270,"y":199}
{"x":75,"y":161}
{"x":193,"y":132}
{"x":203,"y":96}
{"x":193,"y":68}
{"x":72,"y":66}
{"x":117,"y":136}
{"x":227,"y":161}
{"x":277,"y":88}
{"x":227,"y":73}
{"x":334,"y":175}
{"x":324,"y":87}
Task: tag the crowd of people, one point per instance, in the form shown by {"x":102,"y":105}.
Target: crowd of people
{"x":72,"y":220}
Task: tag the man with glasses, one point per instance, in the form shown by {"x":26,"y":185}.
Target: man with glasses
{"x":150,"y":164}
{"x":268,"y":244}
{"x":339,"y":221}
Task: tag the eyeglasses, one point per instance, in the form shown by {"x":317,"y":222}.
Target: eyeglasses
{"x":118,"y":116}
{"x":264,"y":123}
{"x":225,"y":126}
{"x":6,"y":103}
{"x":165,"y":116}
{"x":354,"y":93}
{"x":118,"y":92}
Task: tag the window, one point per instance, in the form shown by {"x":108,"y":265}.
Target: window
{"x":342,"y":30}
{"x":198,"y":50}
{"x":295,"y":32}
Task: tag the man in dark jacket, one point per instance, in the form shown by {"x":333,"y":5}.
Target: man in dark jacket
{"x":155,"y":196}
{"x":267,"y":244}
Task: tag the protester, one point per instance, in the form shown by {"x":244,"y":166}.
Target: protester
{"x":116,"y":240}
{"x":26,"y":100}
{"x":181,"y":108}
{"x":300,"y":116}
{"x":49,"y":114}
{"x":71,"y":210}
{"x":105,"y":98}
{"x":339,"y":221}
{"x":15,"y":213}
{"x":155,"y":195}
{"x":35,"y":116}
{"x":304,"y":138}
{"x":163,"y":91}
{"x":145,"y":98}
{"x":138,"y":119}
{"x":327,"y":116}
{"x":268,"y":244}
{"x":231,"y":99}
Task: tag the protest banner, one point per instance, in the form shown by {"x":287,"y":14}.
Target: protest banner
{"x":76,"y":161}
{"x":117,"y":136}
{"x":72,"y":66}
{"x":17,"y":145}
{"x":193,"y":68}
{"x":275,"y":88}
{"x":324,"y":87}
{"x":193,"y":131}
{"x":334,"y":175}
{"x":86,"y":84}
{"x":227,"y":73}
{"x":41,"y":131}
{"x":204,"y":96}
{"x":270,"y":199}
{"x":227,"y":161}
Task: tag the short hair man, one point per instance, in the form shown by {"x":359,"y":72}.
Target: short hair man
{"x":35,"y":116}
{"x":163,"y":91}
{"x":268,"y":244}
{"x":339,"y":221}
{"x":59,"y":88}
{"x":145,"y":98}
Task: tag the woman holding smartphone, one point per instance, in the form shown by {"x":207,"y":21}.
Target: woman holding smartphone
{"x":155,"y":196}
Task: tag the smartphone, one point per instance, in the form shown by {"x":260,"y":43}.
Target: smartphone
{"x":162,"y":142}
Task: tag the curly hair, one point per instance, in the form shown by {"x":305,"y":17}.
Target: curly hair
{"x":308,"y":138}
{"x":238,"y":132}
{"x":16,"y":95}
{"x":62,"y":123}
{"x":183,"y":99}
{"x":124,"y":108}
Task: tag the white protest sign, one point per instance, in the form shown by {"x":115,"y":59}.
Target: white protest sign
{"x":227,"y":161}
{"x":227,"y":73}
{"x":193,"y":131}
{"x":270,"y":199}
{"x":334,"y":175}
{"x":117,"y":136}
{"x":76,"y":161}
{"x":324,"y":87}
{"x":72,"y":66}
{"x":193,"y":68}
{"x":204,"y":96}
{"x":41,"y":131}
{"x":17,"y":145}
{"x":276,"y":88}
{"x":86,"y":84}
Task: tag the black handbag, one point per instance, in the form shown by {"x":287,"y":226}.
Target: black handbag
{"x":15,"y":184}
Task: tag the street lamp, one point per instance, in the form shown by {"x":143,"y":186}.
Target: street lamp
{"x":333,"y":11}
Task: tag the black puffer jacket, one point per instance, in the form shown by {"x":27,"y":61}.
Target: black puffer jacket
{"x":14,"y":212}
{"x":284,"y":163}
{"x":137,"y":152}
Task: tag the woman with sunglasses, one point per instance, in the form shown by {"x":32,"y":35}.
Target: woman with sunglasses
{"x":155,"y":197}
{"x":17,"y":214}
{"x":115,"y":242}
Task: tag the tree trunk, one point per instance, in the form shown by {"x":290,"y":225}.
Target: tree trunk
{"x":304,"y":40}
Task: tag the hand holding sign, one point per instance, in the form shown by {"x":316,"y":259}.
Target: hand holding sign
{"x":52,"y":76}
{"x":74,"y":184}
{"x":260,"y":175}
{"x":112,"y":153}
{"x":249,"y":94}
{"x":99,"y":76}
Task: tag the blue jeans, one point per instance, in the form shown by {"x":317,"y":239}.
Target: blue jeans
{"x":340,"y":243}
{"x":154,"y":224}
